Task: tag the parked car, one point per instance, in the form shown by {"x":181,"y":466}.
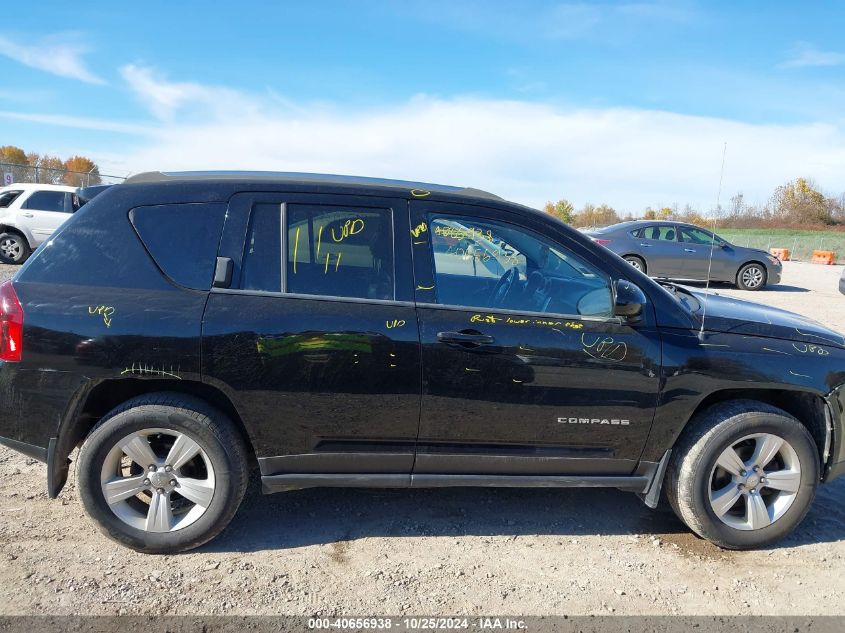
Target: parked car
{"x":842,"y":282}
{"x":676,"y":250}
{"x":344,"y":331}
{"x":29,"y":213}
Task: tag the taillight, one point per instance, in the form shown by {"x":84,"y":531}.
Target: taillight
{"x":11,"y":323}
{"x":601,"y":242}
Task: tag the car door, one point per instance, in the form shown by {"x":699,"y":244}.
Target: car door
{"x":45,"y":211}
{"x":697,"y":262}
{"x":664,"y":254}
{"x":530,"y":375}
{"x":313,"y":334}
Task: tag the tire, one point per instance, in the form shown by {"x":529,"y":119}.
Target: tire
{"x":751,"y":276}
{"x":636,"y":262}
{"x":14,"y":249}
{"x":694,"y":477}
{"x":157,"y":518}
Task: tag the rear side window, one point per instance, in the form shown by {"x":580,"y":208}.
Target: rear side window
{"x":182,"y":239}
{"x":663,"y":233}
{"x":8,"y":197}
{"x":262,"y":264}
{"x":46,"y":201}
{"x":340,"y":251}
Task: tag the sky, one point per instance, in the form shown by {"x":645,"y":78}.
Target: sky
{"x":626,"y":103}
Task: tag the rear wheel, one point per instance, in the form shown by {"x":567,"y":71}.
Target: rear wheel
{"x":636,"y":262}
{"x":743,"y":475}
{"x":163,"y":473}
{"x":14,"y":249}
{"x":751,"y":277}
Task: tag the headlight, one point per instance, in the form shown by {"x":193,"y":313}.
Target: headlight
{"x":775,"y":261}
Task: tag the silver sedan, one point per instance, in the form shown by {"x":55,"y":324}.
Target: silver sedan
{"x":676,"y":250}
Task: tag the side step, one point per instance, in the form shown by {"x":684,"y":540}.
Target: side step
{"x":295,"y":481}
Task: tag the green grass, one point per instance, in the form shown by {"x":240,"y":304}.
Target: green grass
{"x":801,"y":244}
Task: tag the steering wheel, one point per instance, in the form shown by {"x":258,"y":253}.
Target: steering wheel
{"x":503,"y":287}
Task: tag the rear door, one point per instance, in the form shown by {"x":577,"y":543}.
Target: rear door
{"x":664,"y":254}
{"x":45,"y":211}
{"x":525,"y":371}
{"x":315,"y":337}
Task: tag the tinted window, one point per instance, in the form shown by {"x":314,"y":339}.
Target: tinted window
{"x":182,"y":239}
{"x":340,"y":251}
{"x":697,"y":236}
{"x":262,"y":266}
{"x":46,"y":201}
{"x":663,"y":232}
{"x":491,"y":265}
{"x":8,"y":197}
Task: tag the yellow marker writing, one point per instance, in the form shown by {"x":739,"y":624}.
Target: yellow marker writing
{"x":319,"y":239}
{"x":326,"y":269}
{"x":420,"y":193}
{"x":295,"y":249}
{"x":425,"y":287}
{"x":337,"y":263}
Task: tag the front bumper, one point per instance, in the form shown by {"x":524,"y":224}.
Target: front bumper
{"x":774,"y":274}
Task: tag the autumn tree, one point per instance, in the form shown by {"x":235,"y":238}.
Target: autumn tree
{"x":562,"y":210}
{"x":83,"y":172}
{"x":47,"y":169}
{"x":799,"y":202}
{"x":591,"y":215}
{"x":14,"y":162}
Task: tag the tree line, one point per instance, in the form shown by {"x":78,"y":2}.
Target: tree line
{"x":797,"y":203}
{"x":77,"y":171}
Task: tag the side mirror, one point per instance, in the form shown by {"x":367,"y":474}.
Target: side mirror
{"x":629,"y":300}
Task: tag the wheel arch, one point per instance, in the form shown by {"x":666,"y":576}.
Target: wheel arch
{"x":751,"y":261}
{"x":639,"y":257}
{"x":808,"y":408}
{"x":92,"y":404}
{"x":7,"y":227}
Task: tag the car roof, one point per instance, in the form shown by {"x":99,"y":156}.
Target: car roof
{"x":31,"y":186}
{"x":306,"y":178}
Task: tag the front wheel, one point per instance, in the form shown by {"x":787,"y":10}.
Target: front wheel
{"x":751,"y":277}
{"x":163,"y":473}
{"x":14,"y":249}
{"x":743,"y":475}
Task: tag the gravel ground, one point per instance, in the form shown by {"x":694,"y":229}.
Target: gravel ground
{"x":460,"y":551}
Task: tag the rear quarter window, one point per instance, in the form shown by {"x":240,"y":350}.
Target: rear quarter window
{"x":182,"y":239}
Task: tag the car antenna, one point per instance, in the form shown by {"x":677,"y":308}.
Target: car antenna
{"x":712,"y":243}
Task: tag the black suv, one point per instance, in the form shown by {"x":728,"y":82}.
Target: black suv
{"x":362,"y":332}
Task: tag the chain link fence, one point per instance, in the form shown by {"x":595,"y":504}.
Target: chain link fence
{"x":15,"y":173}
{"x":800,"y":247}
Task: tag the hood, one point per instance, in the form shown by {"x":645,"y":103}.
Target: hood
{"x":735,"y":316}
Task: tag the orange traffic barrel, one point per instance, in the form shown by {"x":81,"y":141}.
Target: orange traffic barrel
{"x":824,"y":257}
{"x":781,"y":253}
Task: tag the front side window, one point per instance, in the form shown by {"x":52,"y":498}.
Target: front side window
{"x":340,"y":251}
{"x":484,"y":264}
{"x":46,"y":201}
{"x":697,"y":236}
{"x":8,"y":197}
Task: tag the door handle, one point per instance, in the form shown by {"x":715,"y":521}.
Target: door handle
{"x":689,"y":250}
{"x":646,"y":245}
{"x":465,"y":338}
{"x":27,"y":215}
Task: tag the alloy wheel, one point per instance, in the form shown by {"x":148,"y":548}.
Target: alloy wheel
{"x":755,"y":481}
{"x":158,"y":480}
{"x":11,"y":248}
{"x":752,"y":276}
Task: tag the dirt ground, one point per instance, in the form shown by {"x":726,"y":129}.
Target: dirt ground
{"x":428,"y":552}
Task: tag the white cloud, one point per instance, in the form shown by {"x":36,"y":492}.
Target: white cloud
{"x":527,"y":152}
{"x":805,"y":54}
{"x":58,"y":54}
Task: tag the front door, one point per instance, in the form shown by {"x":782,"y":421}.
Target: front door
{"x":316,"y":340}
{"x":525,"y":371}
{"x":697,"y":245}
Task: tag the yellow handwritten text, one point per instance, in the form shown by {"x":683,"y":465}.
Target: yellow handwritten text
{"x":394,"y":323}
{"x":350,"y":227}
{"x":420,"y":228}
{"x":105,"y":311}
